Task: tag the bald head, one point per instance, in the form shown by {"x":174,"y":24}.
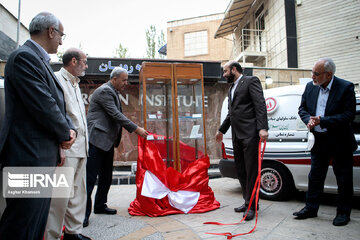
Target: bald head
{"x":232,"y":71}
{"x":75,"y":62}
{"x":233,"y":64}
{"x":71,"y":53}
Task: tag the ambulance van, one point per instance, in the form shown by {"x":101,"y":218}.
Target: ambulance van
{"x":286,"y":163}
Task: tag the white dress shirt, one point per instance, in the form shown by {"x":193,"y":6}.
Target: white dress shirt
{"x":321,"y":104}
{"x":234,"y":87}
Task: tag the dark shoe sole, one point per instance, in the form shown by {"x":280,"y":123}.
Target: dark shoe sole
{"x":305,"y":217}
{"x":108,"y":213}
{"x":343,"y":222}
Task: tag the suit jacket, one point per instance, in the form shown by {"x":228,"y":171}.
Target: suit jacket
{"x":35,"y":117}
{"x":105,"y":118}
{"x":339,"y":112}
{"x":247,"y":112}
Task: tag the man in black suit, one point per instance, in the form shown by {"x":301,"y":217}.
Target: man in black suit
{"x":247,"y":117}
{"x":105,"y":122}
{"x":328,"y":108}
{"x":35,"y":124}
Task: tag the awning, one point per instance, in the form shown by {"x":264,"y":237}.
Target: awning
{"x":234,"y":13}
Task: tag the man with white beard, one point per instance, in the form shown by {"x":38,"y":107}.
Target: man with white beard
{"x":71,"y":211}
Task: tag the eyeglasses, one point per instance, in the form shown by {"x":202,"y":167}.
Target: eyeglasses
{"x":62,"y":35}
{"x":83,"y":61}
{"x":316,"y":73}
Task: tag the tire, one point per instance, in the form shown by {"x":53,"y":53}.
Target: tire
{"x":276,"y":182}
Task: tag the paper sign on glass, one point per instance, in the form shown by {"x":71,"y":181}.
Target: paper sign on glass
{"x":150,"y":137}
{"x":152,"y":116}
{"x":195,"y":131}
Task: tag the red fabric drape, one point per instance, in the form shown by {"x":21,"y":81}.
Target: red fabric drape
{"x":193,"y":178}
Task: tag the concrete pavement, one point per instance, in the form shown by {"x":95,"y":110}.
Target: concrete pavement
{"x":275,"y":219}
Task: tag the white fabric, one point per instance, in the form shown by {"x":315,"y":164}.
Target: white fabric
{"x":235,"y":86}
{"x":154,"y":188}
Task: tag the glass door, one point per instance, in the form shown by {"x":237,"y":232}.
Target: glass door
{"x":189,"y":106}
{"x":157,"y":107}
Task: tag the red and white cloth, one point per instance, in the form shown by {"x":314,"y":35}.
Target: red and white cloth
{"x":163,"y":191}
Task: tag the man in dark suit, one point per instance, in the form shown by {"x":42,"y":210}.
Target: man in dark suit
{"x":247,"y":117}
{"x":35,"y":123}
{"x":328,"y":108}
{"x":105,"y":122}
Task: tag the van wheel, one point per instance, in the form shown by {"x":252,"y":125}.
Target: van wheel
{"x":276,"y":182}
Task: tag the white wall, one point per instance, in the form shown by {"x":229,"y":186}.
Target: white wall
{"x":329,"y":29}
{"x":8,"y":25}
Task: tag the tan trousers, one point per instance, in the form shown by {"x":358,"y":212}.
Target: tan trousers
{"x":69,"y":212}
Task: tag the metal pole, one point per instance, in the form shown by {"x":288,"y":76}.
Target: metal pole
{"x":18,"y":26}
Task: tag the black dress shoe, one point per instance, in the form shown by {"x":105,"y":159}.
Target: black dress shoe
{"x":250,"y":215}
{"x":305,"y":213}
{"x":75,"y":237}
{"x":341,"y":220}
{"x":105,"y":210}
{"x":86,"y":222}
{"x":242,"y":208}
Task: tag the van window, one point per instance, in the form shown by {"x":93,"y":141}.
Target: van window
{"x":356,"y":122}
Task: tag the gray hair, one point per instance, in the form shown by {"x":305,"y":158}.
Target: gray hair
{"x":43,"y":21}
{"x":117,"y":71}
{"x":329,"y":65}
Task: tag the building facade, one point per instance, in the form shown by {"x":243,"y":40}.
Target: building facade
{"x":193,"y":39}
{"x":8,"y":33}
{"x":294,"y":33}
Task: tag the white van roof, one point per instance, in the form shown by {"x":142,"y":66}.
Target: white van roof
{"x":283,"y":91}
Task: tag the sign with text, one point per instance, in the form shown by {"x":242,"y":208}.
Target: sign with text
{"x":38,"y":182}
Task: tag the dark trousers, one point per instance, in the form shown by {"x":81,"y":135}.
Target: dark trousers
{"x":24,"y":218}
{"x":99,"y":163}
{"x":246,"y":161}
{"x":342,"y":162}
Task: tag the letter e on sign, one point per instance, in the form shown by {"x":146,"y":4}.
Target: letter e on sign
{"x":271,"y":105}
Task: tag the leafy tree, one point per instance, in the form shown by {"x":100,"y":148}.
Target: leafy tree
{"x":150,"y":40}
{"x":121,"y":51}
{"x":60,"y":55}
{"x":161,"y":42}
{"x":152,"y":47}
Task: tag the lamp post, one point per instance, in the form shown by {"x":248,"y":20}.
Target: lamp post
{"x":18,"y":26}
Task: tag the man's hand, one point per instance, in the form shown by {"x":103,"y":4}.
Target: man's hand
{"x":314,"y":121}
{"x":219,"y":136}
{"x":141,"y":132}
{"x":263,"y":134}
{"x":69,"y":143}
{"x":62,"y":157}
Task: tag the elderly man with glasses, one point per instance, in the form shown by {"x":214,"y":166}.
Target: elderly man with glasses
{"x":71,"y":211}
{"x":35,"y":124}
{"x":328,"y":108}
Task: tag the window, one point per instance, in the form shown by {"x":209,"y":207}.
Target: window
{"x":196,"y":43}
{"x":246,"y":35}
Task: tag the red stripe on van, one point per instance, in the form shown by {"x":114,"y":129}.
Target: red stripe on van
{"x":306,"y":161}
{"x":356,"y":161}
{"x":295,"y":161}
